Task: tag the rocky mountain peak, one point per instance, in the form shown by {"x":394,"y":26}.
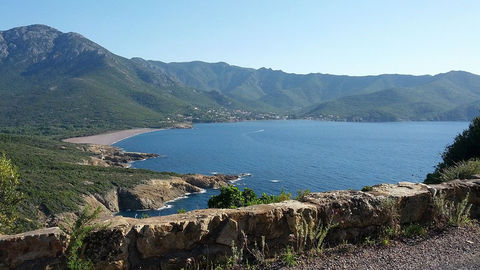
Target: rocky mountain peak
{"x":31,"y":41}
{"x":37,"y":43}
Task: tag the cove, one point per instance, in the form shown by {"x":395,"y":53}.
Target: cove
{"x":295,"y":154}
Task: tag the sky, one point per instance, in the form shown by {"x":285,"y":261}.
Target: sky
{"x":297,"y":36}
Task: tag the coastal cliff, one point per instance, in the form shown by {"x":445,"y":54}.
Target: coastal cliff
{"x":172,"y":242}
{"x":150,"y":194}
{"x":147,"y":195}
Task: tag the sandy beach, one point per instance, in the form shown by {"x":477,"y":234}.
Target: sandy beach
{"x":110,"y":137}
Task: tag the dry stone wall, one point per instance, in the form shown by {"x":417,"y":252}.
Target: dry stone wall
{"x":171,"y":242}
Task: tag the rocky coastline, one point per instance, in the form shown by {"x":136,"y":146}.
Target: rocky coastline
{"x":150,"y":194}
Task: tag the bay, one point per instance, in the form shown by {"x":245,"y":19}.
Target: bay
{"x":295,"y":154}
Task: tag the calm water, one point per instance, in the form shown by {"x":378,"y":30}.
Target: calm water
{"x":296,"y":154}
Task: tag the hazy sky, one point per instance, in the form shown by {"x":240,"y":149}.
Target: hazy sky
{"x":337,"y":37}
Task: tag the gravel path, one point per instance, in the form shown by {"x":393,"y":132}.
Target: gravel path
{"x":455,"y":248}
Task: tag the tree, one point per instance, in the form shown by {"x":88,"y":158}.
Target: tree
{"x":229,"y":197}
{"x":232,"y":197}
{"x":10,"y":197}
{"x":466,"y":146}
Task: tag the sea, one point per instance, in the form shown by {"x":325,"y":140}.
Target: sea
{"x":294,"y":155}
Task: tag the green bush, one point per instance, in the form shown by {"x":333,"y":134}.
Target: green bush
{"x":367,"y":188}
{"x":461,"y":170}
{"x":10,"y":197}
{"x":466,"y":146}
{"x":232,"y":197}
{"x":289,"y":257}
{"x":312,"y":237}
{"x":414,"y":230}
{"x":447,"y":212}
{"x":302,"y":195}
{"x":181,"y":211}
{"x":77,"y":231}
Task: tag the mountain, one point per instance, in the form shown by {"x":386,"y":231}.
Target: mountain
{"x":450,"y":96}
{"x":62,"y":83}
{"x":388,"y":97}
{"x":277,"y":90}
{"x":58,"y":82}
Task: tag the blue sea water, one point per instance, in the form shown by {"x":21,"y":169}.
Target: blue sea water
{"x":296,"y":154}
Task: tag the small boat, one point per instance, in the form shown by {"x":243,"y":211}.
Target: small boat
{"x":245,"y":175}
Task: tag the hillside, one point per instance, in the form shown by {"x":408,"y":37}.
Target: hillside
{"x":53,"y":180}
{"x":446,"y":96}
{"x":62,"y":84}
{"x":450,"y":96}
{"x":53,"y":82}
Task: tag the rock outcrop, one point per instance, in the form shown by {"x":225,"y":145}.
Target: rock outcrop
{"x":171,"y":242}
{"x":154,"y":193}
{"x":110,"y":156}
{"x":209,"y":181}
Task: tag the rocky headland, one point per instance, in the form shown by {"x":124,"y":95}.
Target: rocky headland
{"x":176,"y":241}
{"x":110,"y":156}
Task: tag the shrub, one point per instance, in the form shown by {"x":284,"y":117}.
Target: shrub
{"x":368,"y":241}
{"x":77,"y":231}
{"x":310,"y":236}
{"x":232,"y":197}
{"x":446,"y":212}
{"x":302,"y":195}
{"x":390,"y":208}
{"x":289,"y":257}
{"x":257,"y":252}
{"x":461,"y":170}
{"x":237,"y":256}
{"x":466,"y":146}
{"x":414,"y":230}
{"x":385,"y":242}
{"x":181,"y":211}
{"x":9,"y":196}
{"x":229,"y":197}
{"x":367,"y":188}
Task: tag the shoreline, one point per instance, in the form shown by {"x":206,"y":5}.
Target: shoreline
{"x":111,"y":138}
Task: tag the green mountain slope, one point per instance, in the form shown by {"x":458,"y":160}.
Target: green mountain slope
{"x":53,"y":182}
{"x":336,"y":97}
{"x":276,"y":89}
{"x":55,"y":82}
{"x":448,"y":97}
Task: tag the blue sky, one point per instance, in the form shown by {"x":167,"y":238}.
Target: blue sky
{"x":336,"y":37}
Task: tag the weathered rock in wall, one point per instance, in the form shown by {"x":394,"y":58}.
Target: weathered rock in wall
{"x":170,"y":242}
{"x":36,"y":249}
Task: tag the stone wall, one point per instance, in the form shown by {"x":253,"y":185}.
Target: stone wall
{"x":170,"y":242}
